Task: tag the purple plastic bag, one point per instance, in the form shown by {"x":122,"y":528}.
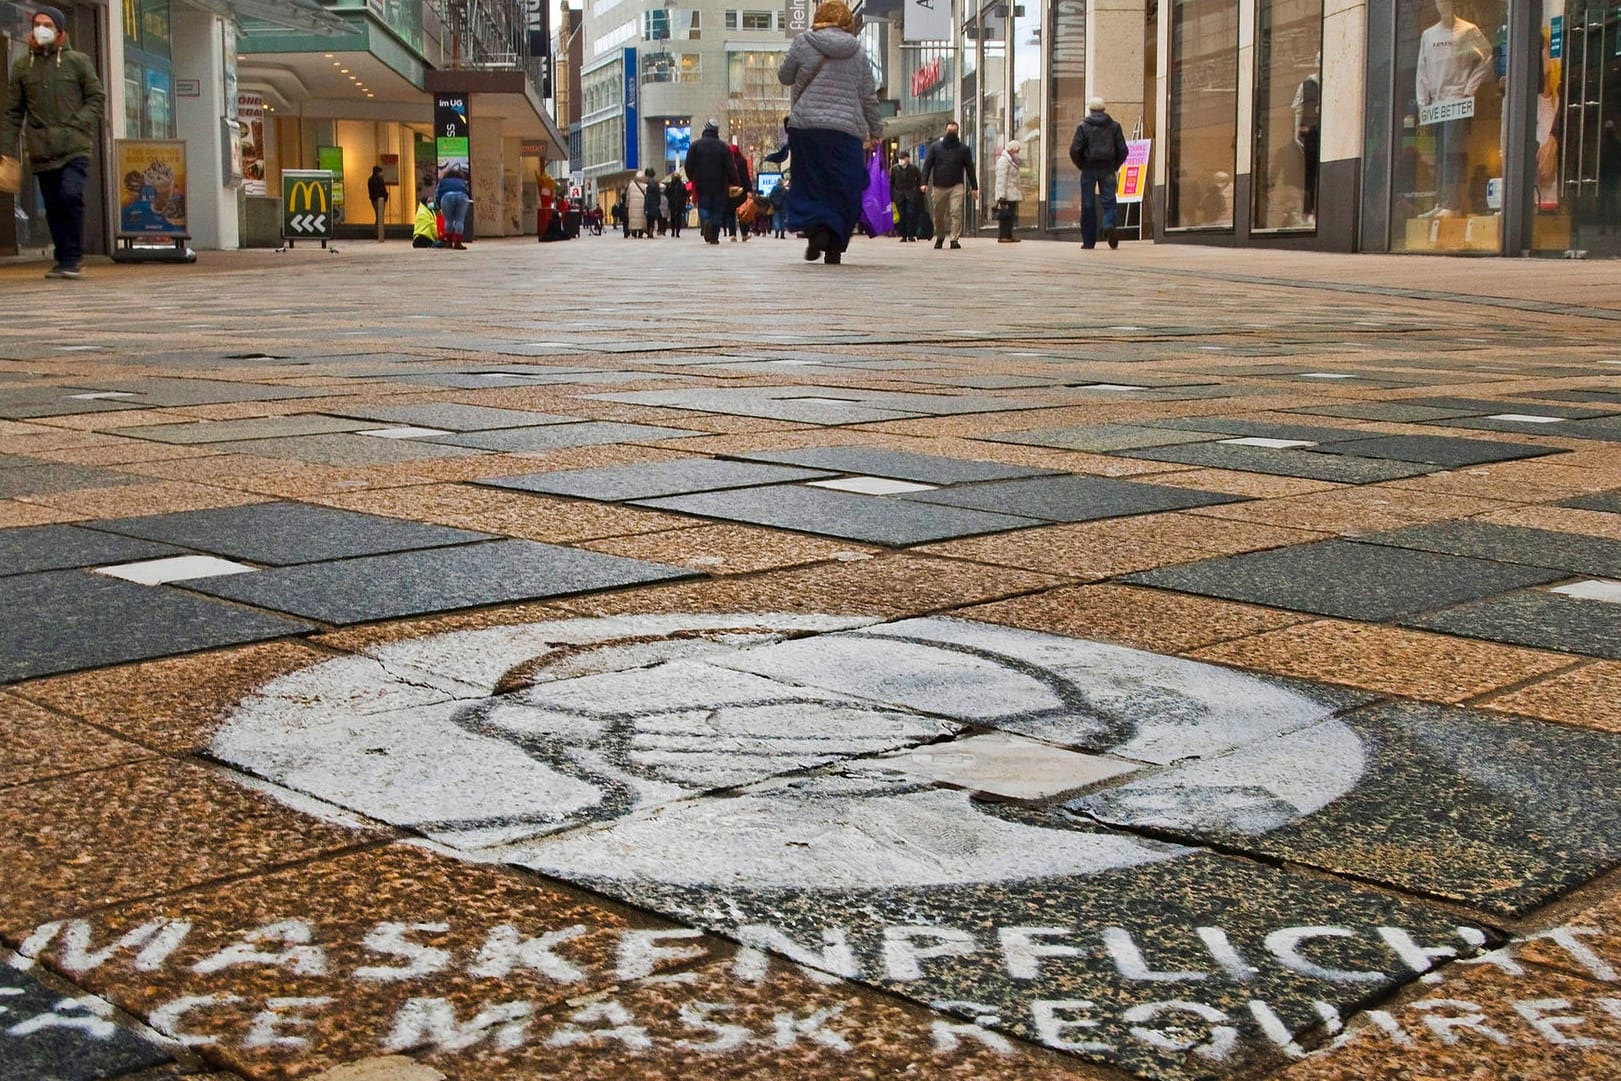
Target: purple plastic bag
{"x":875,"y":209}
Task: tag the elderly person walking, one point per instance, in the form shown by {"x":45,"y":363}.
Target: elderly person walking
{"x":1007,"y":191}
{"x":833,"y":120}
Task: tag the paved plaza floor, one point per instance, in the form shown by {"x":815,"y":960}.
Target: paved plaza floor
{"x":655,"y":661}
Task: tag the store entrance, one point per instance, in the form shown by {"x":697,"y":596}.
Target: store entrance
{"x":1583,"y":178}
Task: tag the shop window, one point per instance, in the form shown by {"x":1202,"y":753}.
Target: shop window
{"x":753,"y":75}
{"x":666,"y":24}
{"x":1288,"y":113}
{"x":1203,"y":112}
{"x":1447,"y":184}
{"x":671,"y":67}
{"x":1066,"y":73}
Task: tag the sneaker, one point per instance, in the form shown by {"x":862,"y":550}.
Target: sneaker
{"x":64,"y":272}
{"x":938,"y":241}
{"x":1112,"y":237}
{"x":54,"y":272}
{"x":954,"y":246}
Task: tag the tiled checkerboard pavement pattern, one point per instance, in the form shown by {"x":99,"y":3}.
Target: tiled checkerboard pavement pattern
{"x":638,"y":661}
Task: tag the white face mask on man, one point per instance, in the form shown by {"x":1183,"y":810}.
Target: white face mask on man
{"x":45,"y":35}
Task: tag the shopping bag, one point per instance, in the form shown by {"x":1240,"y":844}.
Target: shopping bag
{"x":11,"y":175}
{"x":875,"y":201}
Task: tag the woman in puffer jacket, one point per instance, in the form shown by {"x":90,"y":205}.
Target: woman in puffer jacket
{"x":1007,"y":191}
{"x":834,"y":119}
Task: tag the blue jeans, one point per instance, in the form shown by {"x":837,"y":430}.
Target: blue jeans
{"x":1097,"y":188}
{"x":712,"y":210}
{"x":63,"y":192}
{"x":454,"y":205}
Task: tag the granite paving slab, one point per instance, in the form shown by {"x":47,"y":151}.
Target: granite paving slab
{"x":552,"y":436}
{"x":1538,"y":618}
{"x":62,"y":547}
{"x":651,"y":479}
{"x":60,"y":402}
{"x":226,"y":431}
{"x":1097,"y":438}
{"x":1528,"y":421}
{"x":1607,"y":502}
{"x":825,"y":406}
{"x":62,"y":621}
{"x":34,"y":476}
{"x":284,"y":533}
{"x":1481,"y":407}
{"x":1072,"y":498}
{"x":433,"y":580}
{"x":1611,"y":397}
{"x":899,"y":465}
{"x":1501,"y":813}
{"x":162,"y":391}
{"x":1346,"y":579}
{"x":454,"y":417}
{"x":1265,"y":429}
{"x":1393,"y":412}
{"x":1606,"y":428}
{"x":1286,"y":462}
{"x":345,"y":449}
{"x":49,"y":1035}
{"x":1436,"y":450}
{"x":875,"y":519}
{"x":1573,"y":552}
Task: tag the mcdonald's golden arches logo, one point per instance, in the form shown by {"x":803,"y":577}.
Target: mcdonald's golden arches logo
{"x":312,"y":191}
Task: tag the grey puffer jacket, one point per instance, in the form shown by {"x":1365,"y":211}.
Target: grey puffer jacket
{"x":841,"y":95}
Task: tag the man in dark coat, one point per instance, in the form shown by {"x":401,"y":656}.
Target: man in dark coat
{"x":1098,"y":151}
{"x":949,"y":179}
{"x":710,"y":169}
{"x":906,"y":188}
{"x":675,"y":193}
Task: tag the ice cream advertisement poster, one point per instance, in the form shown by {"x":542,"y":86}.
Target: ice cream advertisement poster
{"x":152,"y":187}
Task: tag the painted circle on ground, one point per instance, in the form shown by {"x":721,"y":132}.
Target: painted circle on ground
{"x":503,"y":742}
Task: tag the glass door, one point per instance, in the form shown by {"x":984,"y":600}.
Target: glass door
{"x":1580,"y":179}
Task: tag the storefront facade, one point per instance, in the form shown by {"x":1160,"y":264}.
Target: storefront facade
{"x":1433,"y":126}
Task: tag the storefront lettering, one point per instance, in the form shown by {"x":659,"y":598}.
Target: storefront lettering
{"x":1442,"y":111}
{"x":927,"y":77}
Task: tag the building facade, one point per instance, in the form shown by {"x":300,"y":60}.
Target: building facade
{"x":253,"y":87}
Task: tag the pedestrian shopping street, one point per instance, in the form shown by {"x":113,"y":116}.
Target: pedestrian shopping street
{"x":655,"y":661}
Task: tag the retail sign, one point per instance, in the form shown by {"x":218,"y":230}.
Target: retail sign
{"x":1440,"y":112}
{"x":1133,"y":180}
{"x":452,"y":136}
{"x":188,"y":88}
{"x":927,"y":20}
{"x":927,"y":77}
{"x":307,"y":207}
{"x":633,"y":125}
{"x":796,"y":16}
{"x":152,"y":197}
{"x":250,"y":114}
{"x":330,"y":158}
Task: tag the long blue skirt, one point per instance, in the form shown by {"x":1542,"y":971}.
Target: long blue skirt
{"x":829,"y":176}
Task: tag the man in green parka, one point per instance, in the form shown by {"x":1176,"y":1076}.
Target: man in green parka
{"x":55,"y":104}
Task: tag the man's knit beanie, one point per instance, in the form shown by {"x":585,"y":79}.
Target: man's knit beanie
{"x":56,"y":16}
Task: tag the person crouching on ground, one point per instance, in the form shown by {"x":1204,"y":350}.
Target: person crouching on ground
{"x":425,"y":226}
{"x":1007,"y":191}
{"x":833,"y":121}
{"x":453,"y":198}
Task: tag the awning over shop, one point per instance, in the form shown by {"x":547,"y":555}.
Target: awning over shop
{"x":305,"y":15}
{"x":927,"y":125}
{"x":506,"y":94}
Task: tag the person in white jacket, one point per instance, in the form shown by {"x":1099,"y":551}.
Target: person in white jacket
{"x":1007,"y":191}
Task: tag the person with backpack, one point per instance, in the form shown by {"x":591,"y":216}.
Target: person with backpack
{"x":1098,"y":151}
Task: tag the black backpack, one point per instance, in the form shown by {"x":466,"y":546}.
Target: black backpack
{"x":1099,"y":145}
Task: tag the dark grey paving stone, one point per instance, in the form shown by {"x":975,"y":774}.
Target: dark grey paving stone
{"x":285,"y":533}
{"x":1345,"y":579}
{"x":434,"y":580}
{"x":1481,"y":407}
{"x":1539,"y":619}
{"x":1019,"y":918}
{"x":874,"y":519}
{"x":896,"y":465}
{"x":1607,"y":428}
{"x":1573,"y":552}
{"x":1235,"y":427}
{"x":62,"y":547}
{"x":1563,"y":429}
{"x":652,"y":479}
{"x":587,"y":433}
{"x":1072,"y":498}
{"x":1393,"y":412}
{"x":1608,"y":397}
{"x":1288,"y":462}
{"x":34,"y":476}
{"x":226,"y":431}
{"x":1495,"y":812}
{"x":1436,"y":450}
{"x":1099,"y":438}
{"x":1609,"y":502}
{"x":453,"y":417}
{"x":48,"y":1036}
{"x":60,"y":403}
{"x":64,"y":621}
{"x":159,"y":391}
{"x":344,"y":449}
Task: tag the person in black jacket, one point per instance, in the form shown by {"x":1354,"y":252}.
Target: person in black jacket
{"x":675,"y":195}
{"x":712,"y":173}
{"x":948,"y":177}
{"x":1098,"y":151}
{"x":377,"y":192}
{"x":906,"y":188}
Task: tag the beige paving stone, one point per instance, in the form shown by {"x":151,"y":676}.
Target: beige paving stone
{"x":1232,"y":482}
{"x":1562,"y":520}
{"x":1144,"y":618}
{"x":1220,"y":536}
{"x":381,"y":1068}
{"x":173,"y":704}
{"x":1415,"y":664}
{"x":162,"y":498}
{"x":14,"y":514}
{"x":372,"y":634}
{"x":730,"y":549}
{"x":1318,"y":512}
{"x":512,"y":514}
{"x":1588,"y":695}
{"x":110,"y":420}
{"x":36,"y":743}
{"x":124,"y":452}
{"x":889,"y":585}
{"x":1072,"y":552}
{"x":71,"y":844}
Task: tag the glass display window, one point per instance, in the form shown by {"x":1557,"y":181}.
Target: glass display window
{"x":1203,"y":112}
{"x":1288,"y":113}
{"x":1066,"y":79}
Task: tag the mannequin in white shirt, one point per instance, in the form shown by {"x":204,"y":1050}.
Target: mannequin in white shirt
{"x":1454,"y":59}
